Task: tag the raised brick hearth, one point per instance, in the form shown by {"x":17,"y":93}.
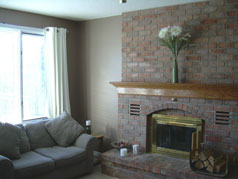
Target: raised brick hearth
{"x":151,"y":166}
{"x":144,"y":166}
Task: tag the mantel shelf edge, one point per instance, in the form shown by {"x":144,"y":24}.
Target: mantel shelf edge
{"x":179,"y":90}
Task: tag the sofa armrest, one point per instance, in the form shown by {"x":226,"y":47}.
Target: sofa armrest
{"x":87,"y":142}
{"x":6,"y":168}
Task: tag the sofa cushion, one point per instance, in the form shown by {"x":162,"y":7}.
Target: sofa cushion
{"x":24,"y":141}
{"x":63,"y":156}
{"x":32,"y":163}
{"x":64,"y":129}
{"x":38,"y":135}
{"x":9,"y":140}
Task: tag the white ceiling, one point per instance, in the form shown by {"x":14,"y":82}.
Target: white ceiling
{"x":85,"y":9}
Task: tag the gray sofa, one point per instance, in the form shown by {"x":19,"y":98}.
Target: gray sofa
{"x":42,"y":158}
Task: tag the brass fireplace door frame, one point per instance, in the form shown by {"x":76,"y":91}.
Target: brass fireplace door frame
{"x":177,"y":121}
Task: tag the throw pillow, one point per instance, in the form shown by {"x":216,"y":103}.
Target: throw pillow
{"x":24,"y":141}
{"x":64,"y":129}
{"x":9,"y":141}
{"x":38,"y":135}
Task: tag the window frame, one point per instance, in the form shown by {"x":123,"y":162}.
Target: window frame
{"x":30,"y":31}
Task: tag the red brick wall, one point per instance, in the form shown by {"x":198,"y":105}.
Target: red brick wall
{"x":214,"y":27}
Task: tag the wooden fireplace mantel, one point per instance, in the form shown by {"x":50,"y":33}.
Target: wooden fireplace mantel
{"x":184,"y":90}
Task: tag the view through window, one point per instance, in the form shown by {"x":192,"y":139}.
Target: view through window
{"x":22,"y":76}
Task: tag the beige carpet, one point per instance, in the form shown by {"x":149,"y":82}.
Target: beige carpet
{"x":97,"y":174}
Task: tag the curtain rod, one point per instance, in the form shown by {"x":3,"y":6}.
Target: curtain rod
{"x":47,"y":29}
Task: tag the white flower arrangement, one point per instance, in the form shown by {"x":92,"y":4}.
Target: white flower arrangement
{"x":164,"y":32}
{"x":173,"y":38}
{"x":176,"y":31}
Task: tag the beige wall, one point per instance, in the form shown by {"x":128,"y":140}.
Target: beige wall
{"x":99,"y":51}
{"x":39,"y":21}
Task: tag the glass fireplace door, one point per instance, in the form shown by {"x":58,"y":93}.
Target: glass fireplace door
{"x":175,"y":135}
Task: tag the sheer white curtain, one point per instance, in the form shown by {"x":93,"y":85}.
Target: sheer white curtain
{"x":56,"y":71}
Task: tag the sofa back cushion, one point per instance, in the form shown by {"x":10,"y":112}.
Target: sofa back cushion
{"x":24,"y":141}
{"x":9,"y":140}
{"x":64,"y":129}
{"x":38,"y":135}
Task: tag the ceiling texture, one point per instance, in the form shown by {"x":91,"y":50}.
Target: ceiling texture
{"x":79,"y":10}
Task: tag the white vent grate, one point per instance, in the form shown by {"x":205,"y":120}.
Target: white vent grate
{"x":134,"y":109}
{"x":222,"y":118}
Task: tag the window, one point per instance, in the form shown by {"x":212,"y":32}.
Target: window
{"x":22,"y":75}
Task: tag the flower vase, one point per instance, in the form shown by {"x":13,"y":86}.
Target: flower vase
{"x":175,"y":71}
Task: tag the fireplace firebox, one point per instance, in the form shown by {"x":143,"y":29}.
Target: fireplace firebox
{"x":176,"y":136}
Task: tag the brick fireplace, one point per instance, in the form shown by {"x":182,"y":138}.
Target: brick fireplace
{"x":214,"y":60}
{"x":220,"y":116}
{"x":208,"y":73}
